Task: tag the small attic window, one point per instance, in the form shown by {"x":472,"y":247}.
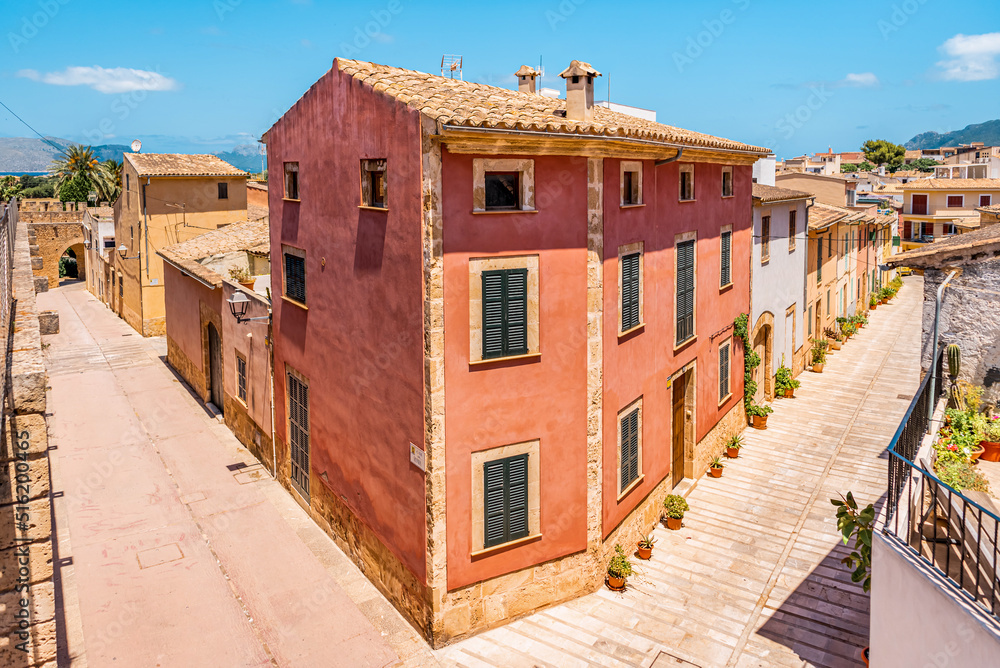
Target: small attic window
{"x":502,"y":191}
{"x":373,"y":183}
{"x":576,"y":79}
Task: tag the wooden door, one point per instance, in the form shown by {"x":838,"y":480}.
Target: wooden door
{"x":215,"y":365}
{"x":678,"y":423}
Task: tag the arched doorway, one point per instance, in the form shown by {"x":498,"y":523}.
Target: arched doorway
{"x":73,"y":264}
{"x":215,"y":366}
{"x":763,"y":345}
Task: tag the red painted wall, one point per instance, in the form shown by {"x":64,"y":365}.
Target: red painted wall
{"x":513,"y":402}
{"x":641,"y":364}
{"x":182,"y":296}
{"x":360,"y":343}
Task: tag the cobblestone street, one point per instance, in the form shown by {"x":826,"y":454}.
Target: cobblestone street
{"x":753,"y":578}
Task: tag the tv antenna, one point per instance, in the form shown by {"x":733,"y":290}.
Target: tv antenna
{"x":450,"y":64}
{"x":136,"y":145}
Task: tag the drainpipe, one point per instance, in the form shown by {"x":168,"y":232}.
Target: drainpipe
{"x":934,"y":365}
{"x":145,"y":225}
{"x":270,"y":351}
{"x":680,"y":152}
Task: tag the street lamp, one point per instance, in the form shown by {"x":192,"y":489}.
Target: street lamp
{"x":123,"y":251}
{"x":86,"y":243}
{"x":238,"y":304}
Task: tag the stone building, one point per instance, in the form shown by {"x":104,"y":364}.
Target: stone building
{"x":226,"y":363}
{"x":166,"y":199}
{"x":539,"y":292}
{"x":99,"y":248}
{"x":969,"y":313}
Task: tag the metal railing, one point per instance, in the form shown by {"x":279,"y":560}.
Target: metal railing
{"x":944,"y":528}
{"x":8,"y":227}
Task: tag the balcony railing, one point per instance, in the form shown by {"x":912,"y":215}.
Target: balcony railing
{"x":951,"y":533}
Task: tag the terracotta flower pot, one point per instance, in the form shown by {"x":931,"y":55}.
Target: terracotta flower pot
{"x":715,"y":473}
{"x":789,"y":393}
{"x":732,"y":453}
{"x":818,"y":368}
{"x":874,"y":306}
{"x":248,"y":285}
{"x":645,"y":552}
{"x":864,"y":655}
{"x":977,"y":453}
{"x":836,"y":345}
{"x":991,"y":451}
{"x":759,"y":422}
{"x":674,"y":523}
{"x":616,"y":584}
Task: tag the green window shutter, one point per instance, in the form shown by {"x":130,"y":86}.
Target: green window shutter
{"x":493,"y":313}
{"x":505,"y":312}
{"x":723,"y":371}
{"x":630,"y":291}
{"x":517,"y":497}
{"x":494,"y":503}
{"x":819,"y":261}
{"x":516,"y":312}
{"x":726,"y":261}
{"x":505,"y":500}
{"x":685,"y":290}
{"x":629,"y":449}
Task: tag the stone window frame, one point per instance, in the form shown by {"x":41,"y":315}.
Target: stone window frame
{"x":477,"y":266}
{"x":635,"y":167}
{"x":297,"y":252}
{"x":728,"y":169}
{"x":686,"y":168}
{"x":679,"y":239}
{"x":369,"y":165}
{"x":723,"y":230}
{"x":726,"y":343}
{"x":622,"y":493}
{"x":479,"y":459}
{"x":629,"y":249}
{"x":793,"y":223}
{"x":289,"y":169}
{"x":525,"y":167}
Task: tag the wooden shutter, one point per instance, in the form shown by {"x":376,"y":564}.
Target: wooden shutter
{"x":505,"y":500}
{"x":723,"y":371}
{"x":505,"y":312}
{"x":630,"y":291}
{"x":298,"y":427}
{"x":629,"y":449}
{"x":685,"y":290}
{"x":726,"y":261}
{"x":295,"y":277}
{"x":819,"y":261}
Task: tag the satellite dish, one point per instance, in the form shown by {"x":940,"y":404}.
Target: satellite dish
{"x":136,"y":145}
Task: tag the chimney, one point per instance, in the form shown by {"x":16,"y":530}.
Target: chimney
{"x":526,"y":79}
{"x":579,"y":78}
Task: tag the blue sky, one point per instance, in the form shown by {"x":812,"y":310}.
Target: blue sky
{"x":795,"y":76}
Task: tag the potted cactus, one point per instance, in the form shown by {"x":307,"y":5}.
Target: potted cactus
{"x":758,"y":415}
{"x":784,"y":384}
{"x":819,"y":354}
{"x":619,"y":568}
{"x":646,"y":547}
{"x":715,"y":467}
{"x":674,"y":507}
{"x":733,"y":446}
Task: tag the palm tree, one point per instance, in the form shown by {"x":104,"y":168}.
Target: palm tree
{"x":76,"y":162}
{"x":109,"y":185}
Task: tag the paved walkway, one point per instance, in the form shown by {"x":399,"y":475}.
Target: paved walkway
{"x":175,"y":547}
{"x":753,"y":578}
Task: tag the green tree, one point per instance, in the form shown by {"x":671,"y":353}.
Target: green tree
{"x":848,"y":167}
{"x":76,"y":189}
{"x":884,"y":152}
{"x":923,"y":164}
{"x":77,"y":163}
{"x":110,"y":184}
{"x":866,"y":166}
{"x":10,"y":187}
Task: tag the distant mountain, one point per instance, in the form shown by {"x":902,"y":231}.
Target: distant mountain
{"x":988,"y":133}
{"x":19,"y":155}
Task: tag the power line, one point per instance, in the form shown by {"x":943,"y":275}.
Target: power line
{"x":43,"y":138}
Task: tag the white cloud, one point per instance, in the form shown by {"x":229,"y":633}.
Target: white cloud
{"x":862,"y":80}
{"x":104,"y":80}
{"x":972,"y":57}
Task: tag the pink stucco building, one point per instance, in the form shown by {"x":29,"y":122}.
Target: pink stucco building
{"x":502,"y":329}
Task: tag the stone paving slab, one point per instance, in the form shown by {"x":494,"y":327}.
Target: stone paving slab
{"x":753,"y":578}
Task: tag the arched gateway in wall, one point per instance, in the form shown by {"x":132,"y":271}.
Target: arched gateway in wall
{"x":48,"y":243}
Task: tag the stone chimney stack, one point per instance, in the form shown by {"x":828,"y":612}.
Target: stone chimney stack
{"x":526,"y":79}
{"x":579,"y":78}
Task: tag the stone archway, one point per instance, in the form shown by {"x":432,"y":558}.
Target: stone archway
{"x":762,"y":340}
{"x":48,"y":243}
{"x":79,"y":253}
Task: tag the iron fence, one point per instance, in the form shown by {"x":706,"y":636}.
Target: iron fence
{"x":946,"y":529}
{"x":8,"y":227}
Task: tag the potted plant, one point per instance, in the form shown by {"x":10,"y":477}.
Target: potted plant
{"x":783,"y":381}
{"x":241,"y":276}
{"x":991,"y":440}
{"x":619,"y":568}
{"x":819,"y":354}
{"x":758,"y":415}
{"x":715,"y":467}
{"x":733,"y":446}
{"x":873,"y":302}
{"x":835,"y":337}
{"x":646,"y":547}
{"x":858,"y":524}
{"x":674,"y":507}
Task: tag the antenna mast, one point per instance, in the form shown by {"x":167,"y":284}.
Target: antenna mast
{"x":450,"y":64}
